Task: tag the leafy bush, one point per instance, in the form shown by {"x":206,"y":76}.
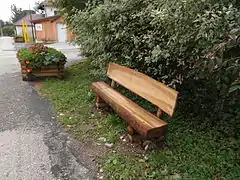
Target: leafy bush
{"x":18,"y":36}
{"x":169,"y":40}
{"x":156,"y":38}
{"x":8,"y":30}
{"x":39,"y":55}
{"x":67,"y":5}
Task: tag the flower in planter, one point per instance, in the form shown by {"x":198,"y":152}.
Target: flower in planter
{"x":38,"y":48}
{"x":38,"y":55}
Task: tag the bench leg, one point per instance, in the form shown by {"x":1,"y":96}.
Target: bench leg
{"x":130,"y":130}
{"x":100,"y":103}
{"x":133,"y":136}
{"x":160,"y":141}
{"x":154,"y":143}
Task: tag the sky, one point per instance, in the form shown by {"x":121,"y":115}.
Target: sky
{"x":5,"y":7}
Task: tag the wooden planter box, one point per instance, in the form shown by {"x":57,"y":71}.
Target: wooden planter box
{"x":48,"y":71}
{"x":19,"y":39}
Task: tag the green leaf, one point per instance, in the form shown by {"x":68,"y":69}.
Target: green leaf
{"x":55,"y":59}
{"x":234,"y":88}
{"x":47,"y":58}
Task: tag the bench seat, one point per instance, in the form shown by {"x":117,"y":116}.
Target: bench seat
{"x":145,"y":123}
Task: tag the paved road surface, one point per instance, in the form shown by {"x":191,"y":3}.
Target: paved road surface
{"x":32,"y":145}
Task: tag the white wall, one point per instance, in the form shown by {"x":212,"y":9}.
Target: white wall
{"x":50,"y":11}
{"x":20,"y":32}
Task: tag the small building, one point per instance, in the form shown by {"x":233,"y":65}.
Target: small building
{"x":27,"y":21}
{"x":52,"y":28}
{"x":46,"y":6}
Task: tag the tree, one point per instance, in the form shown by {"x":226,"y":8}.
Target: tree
{"x":66,"y":6}
{"x":39,"y":7}
{"x":8,"y":30}
{"x":1,"y":23}
{"x":18,"y":13}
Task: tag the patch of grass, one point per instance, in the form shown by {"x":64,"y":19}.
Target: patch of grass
{"x":116,"y":126}
{"x":74,"y":101}
{"x":123,"y":166}
{"x":191,"y":152}
{"x":68,"y":121}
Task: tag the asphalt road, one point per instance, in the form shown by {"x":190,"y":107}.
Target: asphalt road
{"x":32,"y":144}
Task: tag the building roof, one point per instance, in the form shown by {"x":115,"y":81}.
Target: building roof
{"x":50,"y":18}
{"x":27,"y":19}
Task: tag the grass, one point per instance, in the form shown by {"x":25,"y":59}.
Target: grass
{"x":190,"y":152}
{"x":74,"y":102}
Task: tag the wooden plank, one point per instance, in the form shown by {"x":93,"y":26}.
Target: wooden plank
{"x":49,"y":67}
{"x":155,"y":92}
{"x":23,"y":66}
{"x":48,"y":71}
{"x":53,"y":67}
{"x":159,"y":113}
{"x":23,"y":70}
{"x":44,"y":73}
{"x":47,"y":74}
{"x":145,"y":123}
{"x":130,"y":130}
{"x":113,"y":84}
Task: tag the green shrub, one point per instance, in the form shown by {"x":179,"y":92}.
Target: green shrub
{"x":8,"y":30}
{"x":169,"y":40}
{"x":19,"y":38}
{"x":39,"y":55}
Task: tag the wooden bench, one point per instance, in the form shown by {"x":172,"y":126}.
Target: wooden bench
{"x":139,"y":120}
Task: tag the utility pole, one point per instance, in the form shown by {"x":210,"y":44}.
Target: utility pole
{"x":31,"y":24}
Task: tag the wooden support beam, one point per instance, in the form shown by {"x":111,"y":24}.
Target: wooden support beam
{"x":130,"y":130}
{"x":159,"y":113}
{"x":100,"y":103}
{"x":113,"y":84}
{"x":136,"y":138}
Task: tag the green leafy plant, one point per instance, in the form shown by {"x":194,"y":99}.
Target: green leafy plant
{"x":18,"y":38}
{"x":53,"y":56}
{"x":8,"y":30}
{"x":39,"y":55}
{"x":234,"y":87}
{"x":169,"y":40}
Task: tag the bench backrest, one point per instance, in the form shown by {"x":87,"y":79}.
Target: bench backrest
{"x":155,"y":92}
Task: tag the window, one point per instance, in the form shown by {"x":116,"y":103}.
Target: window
{"x":55,"y":13}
